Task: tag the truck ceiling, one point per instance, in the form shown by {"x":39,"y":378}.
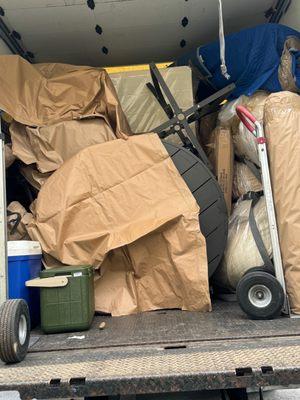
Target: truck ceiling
{"x":122,"y":32}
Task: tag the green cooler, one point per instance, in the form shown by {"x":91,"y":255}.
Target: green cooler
{"x":67,"y":304}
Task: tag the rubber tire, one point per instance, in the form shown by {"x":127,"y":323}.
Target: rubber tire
{"x":11,"y":350}
{"x":250,"y":279}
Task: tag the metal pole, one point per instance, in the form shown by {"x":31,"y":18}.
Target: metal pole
{"x":3,"y":233}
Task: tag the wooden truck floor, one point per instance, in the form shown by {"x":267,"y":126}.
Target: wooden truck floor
{"x":163,"y":351}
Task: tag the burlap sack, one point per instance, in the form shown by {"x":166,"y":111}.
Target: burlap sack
{"x":126,"y":197}
{"x":282,"y":128}
{"x":241,"y":252}
{"x":244,"y":141}
{"x":244,"y":180}
{"x":227,"y":117}
{"x":285,"y":74}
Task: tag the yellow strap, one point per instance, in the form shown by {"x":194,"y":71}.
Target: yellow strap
{"x":139,"y":67}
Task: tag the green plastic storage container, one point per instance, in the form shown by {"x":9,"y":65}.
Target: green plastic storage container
{"x":71,"y":307}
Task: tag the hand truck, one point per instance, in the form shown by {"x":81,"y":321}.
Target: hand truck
{"x":261,"y":292}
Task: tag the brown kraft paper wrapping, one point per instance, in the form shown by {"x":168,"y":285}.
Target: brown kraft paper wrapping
{"x":282,"y":128}
{"x":123,"y":207}
{"x":9,"y":156}
{"x":33,"y":176}
{"x":50,"y":146}
{"x":285,"y":75}
{"x":20,"y":231}
{"x":43,"y":94}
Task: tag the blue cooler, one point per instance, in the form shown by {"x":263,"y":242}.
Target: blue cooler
{"x":24,"y":263}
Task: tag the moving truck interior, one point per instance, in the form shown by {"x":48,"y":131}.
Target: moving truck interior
{"x":165,"y":352}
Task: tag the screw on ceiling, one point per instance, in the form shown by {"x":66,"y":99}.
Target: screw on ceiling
{"x":184,"y":21}
{"x":98,"y":29}
{"x":91,"y":4}
{"x":182,"y":43}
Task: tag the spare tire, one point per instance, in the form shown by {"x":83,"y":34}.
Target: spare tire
{"x":206,"y":190}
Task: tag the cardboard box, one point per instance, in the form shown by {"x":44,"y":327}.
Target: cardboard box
{"x":142,"y":110}
{"x":223,"y":155}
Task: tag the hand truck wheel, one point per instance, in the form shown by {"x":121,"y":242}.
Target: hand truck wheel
{"x":260,"y":295}
{"x":14,"y":330}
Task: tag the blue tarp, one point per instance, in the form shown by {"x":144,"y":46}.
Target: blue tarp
{"x":252,"y":59}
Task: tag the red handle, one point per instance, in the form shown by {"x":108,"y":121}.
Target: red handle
{"x":247,"y":118}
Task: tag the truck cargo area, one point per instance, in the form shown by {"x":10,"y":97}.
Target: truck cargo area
{"x":159,"y":352}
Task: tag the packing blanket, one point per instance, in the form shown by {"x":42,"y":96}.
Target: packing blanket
{"x":257,"y":58}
